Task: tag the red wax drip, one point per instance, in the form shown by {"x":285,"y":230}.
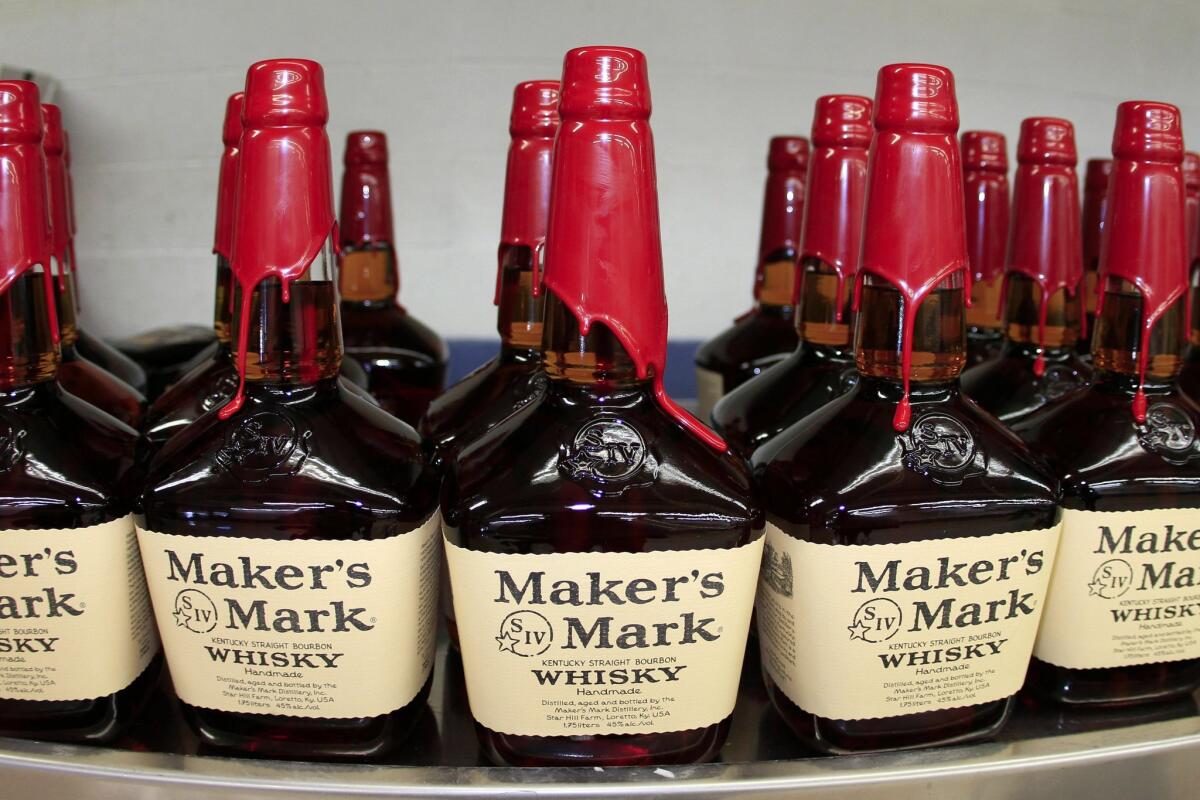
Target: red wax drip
{"x":1139,"y":406}
{"x":903,"y":413}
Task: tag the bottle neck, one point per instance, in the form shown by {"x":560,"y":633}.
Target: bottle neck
{"x":1022,"y":309}
{"x":1117,"y":340}
{"x":984,"y":313}
{"x":298,"y":341}
{"x":777,"y":281}
{"x":223,"y":302}
{"x":938,"y":332}
{"x":823,"y":320}
{"x":369,"y":275}
{"x":519,"y":315}
{"x":28,"y":352}
{"x":1194,"y":335}
{"x":595,"y":359}
{"x":65,"y":305}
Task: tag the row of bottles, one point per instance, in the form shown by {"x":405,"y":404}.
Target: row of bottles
{"x":277,"y":534}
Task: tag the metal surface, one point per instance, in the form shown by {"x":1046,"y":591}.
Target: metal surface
{"x":1044,"y":753}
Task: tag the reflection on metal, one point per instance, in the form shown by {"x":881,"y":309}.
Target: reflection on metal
{"x":1045,"y":753}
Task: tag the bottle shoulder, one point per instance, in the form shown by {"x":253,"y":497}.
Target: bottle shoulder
{"x":480,"y":400}
{"x":753,"y":338}
{"x":389,"y":327}
{"x":1008,"y":388}
{"x":205,"y":387}
{"x":845,"y":466}
{"x":102,"y":389}
{"x":333,"y":460}
{"x":616,"y":463}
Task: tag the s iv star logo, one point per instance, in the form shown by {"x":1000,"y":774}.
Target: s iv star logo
{"x":1169,"y":433}
{"x":608,"y":455}
{"x":942,"y":448}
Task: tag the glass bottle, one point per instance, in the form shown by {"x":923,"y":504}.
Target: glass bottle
{"x":1189,"y":373}
{"x":822,"y":365}
{"x":1038,"y":365}
{"x":985,"y":171}
{"x":404,"y":360}
{"x":632,"y":517}
{"x":1119,"y":626}
{"x":296,"y":525}
{"x":1095,"y":201}
{"x":493,"y":391}
{"x":93,"y":348}
{"x":765,"y":334}
{"x":879,"y":502}
{"x":67,"y":482}
{"x":76,"y":374}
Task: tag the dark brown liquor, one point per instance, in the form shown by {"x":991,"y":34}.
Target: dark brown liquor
{"x":1095,"y":202}
{"x":76,"y":374}
{"x":1119,"y":627}
{"x":822,"y":365}
{"x":297,"y":516}
{"x":472,"y":406}
{"x":1038,"y":364}
{"x":600,"y":520}
{"x":764,"y":335}
{"x":404,"y":360}
{"x":866,"y":637}
{"x":66,"y":488}
{"x":1189,"y":374}
{"x":985,"y":189}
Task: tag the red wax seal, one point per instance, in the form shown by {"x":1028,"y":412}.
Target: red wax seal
{"x":837,"y":186}
{"x":1144,"y":240}
{"x":914,"y":236}
{"x":366,"y":212}
{"x":985,"y":189}
{"x":70,"y":203}
{"x":1046,"y":244}
{"x":284,"y":193}
{"x":603,"y":253}
{"x":1191,"y":182}
{"x":783,"y":201}
{"x":231,"y":136}
{"x":24,"y":213}
{"x":532,"y":126}
{"x":1095,"y":203}
{"x":56,"y":189}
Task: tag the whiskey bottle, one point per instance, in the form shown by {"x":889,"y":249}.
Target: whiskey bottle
{"x":766,"y":333}
{"x":822,"y":365}
{"x":985,"y":171}
{"x":404,"y":360}
{"x":600,"y":521}
{"x":1095,"y":202}
{"x":1189,"y":373}
{"x":290,"y":536}
{"x":76,"y":374}
{"x":489,"y":394}
{"x":910,"y":536}
{"x":1042,"y":289}
{"x":93,"y":348}
{"x":1126,"y":450}
{"x":214,"y":378}
{"x":69,"y":559}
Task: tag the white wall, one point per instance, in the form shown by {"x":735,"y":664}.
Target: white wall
{"x":143,"y":86}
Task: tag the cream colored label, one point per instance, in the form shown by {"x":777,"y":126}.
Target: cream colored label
{"x":870,"y":631}
{"x":75,"y":621}
{"x":1126,"y":589}
{"x":301,"y":628}
{"x":710,"y":387}
{"x":572,"y":644}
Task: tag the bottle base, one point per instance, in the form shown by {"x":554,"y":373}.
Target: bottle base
{"x":886,"y":734}
{"x":304,"y":738}
{"x":1116,"y":686}
{"x":615,"y":750}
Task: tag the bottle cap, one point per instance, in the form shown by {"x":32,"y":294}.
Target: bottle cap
{"x":984,"y":150}
{"x":366,"y":212}
{"x":532,"y":126}
{"x":985,"y":192}
{"x":914,"y":236}
{"x":603,"y":253}
{"x":24,"y":215}
{"x":1144,"y":241}
{"x":56,"y":190}
{"x":231,"y":136}
{"x":1191,"y":219}
{"x":783,"y":201}
{"x":284,"y":209}
{"x":1046,"y":244}
{"x":1095,"y":202}
{"x":837,"y":185}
